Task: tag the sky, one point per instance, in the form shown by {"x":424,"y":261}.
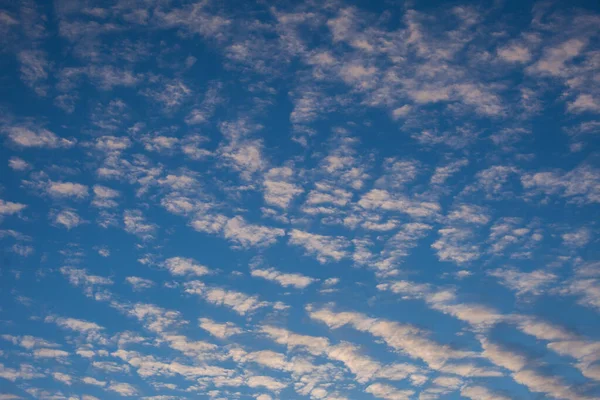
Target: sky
{"x":336,"y":200}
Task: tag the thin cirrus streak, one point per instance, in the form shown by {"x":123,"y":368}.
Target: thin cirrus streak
{"x":299,"y":200}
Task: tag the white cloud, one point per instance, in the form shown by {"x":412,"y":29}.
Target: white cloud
{"x":68,"y":218}
{"x":554,"y":58}
{"x":136,"y":224}
{"x":387,"y":392}
{"x":296,"y":280}
{"x":18,"y":164}
{"x":64,"y":378}
{"x":42,"y":138}
{"x":104,"y":197}
{"x":25,"y":372}
{"x":534,"y":282}
{"x":93,"y":381}
{"x":481,"y":393}
{"x":384,"y":200}
{"x":455,"y":244}
{"x":123,"y":389}
{"x":401,"y":337}
{"x":266,"y":382}
{"x":67,"y":189}
{"x":181,"y":266}
{"x":324,"y":248}
{"x":219,"y":330}
{"x":584,"y":103}
{"x":237,"y":301}
{"x":580,"y":185}
{"x":514,"y":53}
{"x":250,"y":235}
{"x":49,"y":353}
{"x":442,"y":174}
{"x":139,"y":284}
{"x":75,"y":324}
{"x":279,"y":189}
{"x":10,"y":208}
{"x":578,"y":238}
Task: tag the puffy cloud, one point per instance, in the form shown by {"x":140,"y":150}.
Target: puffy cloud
{"x":554,"y":58}
{"x":249,"y":235}
{"x":104,"y":197}
{"x":139,"y":284}
{"x":181,"y":266}
{"x":67,"y":189}
{"x":404,"y":338}
{"x":122,"y":388}
{"x":324,"y":248}
{"x":455,"y":244}
{"x":442,"y":173}
{"x":40,"y":138}
{"x":49,"y":353}
{"x":378,"y":199}
{"x":18,"y":164}
{"x":514,"y":53}
{"x":387,"y":392}
{"x":580,"y":185}
{"x":522,"y":283}
{"x":237,"y":301}
{"x":219,"y":330}
{"x":296,"y":280}
{"x":278,"y":186}
{"x":25,"y":372}
{"x":10,"y":208}
{"x":266,"y":382}
{"x":67,"y":218}
{"x":481,"y":393}
{"x":136,"y":224}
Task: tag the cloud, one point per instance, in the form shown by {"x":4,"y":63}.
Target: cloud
{"x":122,"y":388}
{"x":34,"y":70}
{"x":522,"y":283}
{"x":136,"y":224}
{"x":266,"y":382}
{"x":104,"y":197}
{"x":455,"y":244}
{"x":18,"y":164}
{"x":279,"y":189}
{"x":580,"y":185}
{"x":404,"y":338}
{"x":324,"y":248}
{"x":67,"y":218}
{"x":514,"y":53}
{"x":237,"y":301}
{"x":441,"y":174}
{"x":296,"y":280}
{"x":378,"y":199}
{"x":180,"y":266}
{"x":41,"y":138}
{"x":219,"y":330}
{"x":93,"y":381}
{"x":249,"y":235}
{"x":29,"y":342}
{"x":481,"y":393}
{"x":25,"y":372}
{"x":10,"y":208}
{"x":138,"y":284}
{"x":554,"y":59}
{"x":67,"y":189}
{"x":74,"y":324}
{"x":387,"y":392}
{"x":49,"y":353}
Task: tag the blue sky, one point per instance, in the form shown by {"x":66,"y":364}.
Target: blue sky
{"x":299,"y":200}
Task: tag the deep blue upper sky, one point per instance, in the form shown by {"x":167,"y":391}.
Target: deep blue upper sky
{"x":286,"y":200}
